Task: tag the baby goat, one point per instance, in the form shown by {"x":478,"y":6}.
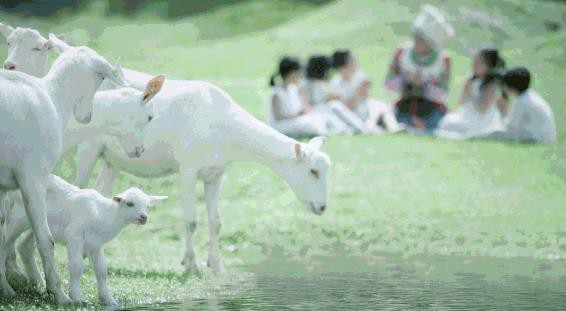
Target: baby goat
{"x":83,"y":220}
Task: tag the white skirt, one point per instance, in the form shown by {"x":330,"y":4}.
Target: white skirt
{"x":311,"y":124}
{"x":468,"y":122}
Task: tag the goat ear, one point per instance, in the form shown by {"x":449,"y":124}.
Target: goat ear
{"x":152,"y":88}
{"x":48,"y":46}
{"x":115,"y":74}
{"x":6,"y":30}
{"x":158,"y":197}
{"x":299,"y":152}
{"x":117,"y":199}
{"x":317,"y":142}
{"x":55,"y":43}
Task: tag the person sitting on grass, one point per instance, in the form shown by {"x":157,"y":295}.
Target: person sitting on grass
{"x":478,"y":114}
{"x":352,"y":87}
{"x":530,"y":118}
{"x":288,"y":111}
{"x":420,"y":73}
{"x":341,"y":120}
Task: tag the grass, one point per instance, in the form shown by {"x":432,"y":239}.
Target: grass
{"x":412,"y":196}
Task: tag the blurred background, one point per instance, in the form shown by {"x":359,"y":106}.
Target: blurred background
{"x":414,"y":222}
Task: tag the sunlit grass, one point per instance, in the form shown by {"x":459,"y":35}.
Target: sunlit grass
{"x":412,"y":196}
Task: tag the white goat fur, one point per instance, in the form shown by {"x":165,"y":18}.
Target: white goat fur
{"x":27,"y":50}
{"x":197,"y":131}
{"x":122,"y":113}
{"x":83,"y":220}
{"x":34,"y":113}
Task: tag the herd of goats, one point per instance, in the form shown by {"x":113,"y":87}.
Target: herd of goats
{"x":145,"y":125}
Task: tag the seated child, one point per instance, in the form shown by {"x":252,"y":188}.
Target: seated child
{"x":420,"y":73}
{"x":477,"y":115}
{"x":288,"y":111}
{"x":340,"y":119}
{"x":352,"y":87}
{"x":530,"y":118}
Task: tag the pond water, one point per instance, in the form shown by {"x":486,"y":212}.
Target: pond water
{"x":392,"y":284}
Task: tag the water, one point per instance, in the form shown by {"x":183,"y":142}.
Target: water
{"x":485,"y":285}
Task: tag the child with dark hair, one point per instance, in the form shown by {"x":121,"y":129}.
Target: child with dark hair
{"x":420,"y":73}
{"x":530,"y":118}
{"x":478,"y":114}
{"x":288,"y":110}
{"x":317,"y":74}
{"x":340,"y":119}
{"x":352,"y":87}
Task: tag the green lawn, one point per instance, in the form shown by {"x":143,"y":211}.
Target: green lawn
{"x":411,"y":196}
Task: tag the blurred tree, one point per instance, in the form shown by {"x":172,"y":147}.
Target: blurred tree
{"x":166,"y":8}
{"x":173,"y":8}
{"x":39,"y":7}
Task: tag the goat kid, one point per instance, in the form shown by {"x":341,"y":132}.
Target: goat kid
{"x":83,"y":220}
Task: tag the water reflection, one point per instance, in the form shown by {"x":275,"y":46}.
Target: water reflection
{"x":387,"y":287}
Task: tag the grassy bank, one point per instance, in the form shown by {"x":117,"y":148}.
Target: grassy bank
{"x":412,"y":196}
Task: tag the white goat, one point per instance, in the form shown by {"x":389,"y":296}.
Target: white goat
{"x":34,"y":113}
{"x":116,"y":113}
{"x":197,"y":131}
{"x":27,"y":50}
{"x":121,"y":113}
{"x":83,"y":220}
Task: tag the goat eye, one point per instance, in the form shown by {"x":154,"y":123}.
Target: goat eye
{"x":130,"y":204}
{"x":149,"y":118}
{"x":36,"y":49}
{"x":314,"y":173}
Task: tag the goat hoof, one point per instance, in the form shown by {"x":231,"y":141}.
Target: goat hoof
{"x":81,"y":302}
{"x":109,"y":301}
{"x":38,"y":283}
{"x":191,"y":269}
{"x":63,"y":299}
{"x":17,"y":278}
{"x":214,"y":265}
{"x":7,"y":291}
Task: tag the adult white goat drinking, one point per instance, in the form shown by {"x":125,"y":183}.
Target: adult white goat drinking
{"x":34,"y":113}
{"x":83,"y":220}
{"x":197,"y":131}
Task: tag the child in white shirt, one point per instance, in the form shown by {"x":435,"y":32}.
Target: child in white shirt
{"x":530,"y":118}
{"x":288,"y":111}
{"x":352,"y":86}
{"x":340,"y":119}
